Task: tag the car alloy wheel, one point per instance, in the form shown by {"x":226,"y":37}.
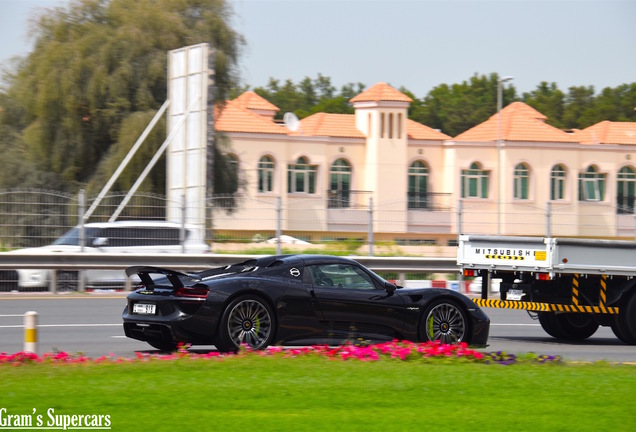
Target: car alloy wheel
{"x":445,"y":322}
{"x":250,"y":322}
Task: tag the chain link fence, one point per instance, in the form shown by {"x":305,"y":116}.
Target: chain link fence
{"x":236,"y":223}
{"x":337,"y":224}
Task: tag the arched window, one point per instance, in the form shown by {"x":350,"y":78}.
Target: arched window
{"x":475,"y":182}
{"x":418,"y":186}
{"x":625,"y":191}
{"x":266,"y":174}
{"x":301,"y":177}
{"x":557,"y":183}
{"x":521,"y":181}
{"x":591,"y":185}
{"x":339,"y":184}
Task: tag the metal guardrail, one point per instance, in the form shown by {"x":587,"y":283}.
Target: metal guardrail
{"x":85,"y":261}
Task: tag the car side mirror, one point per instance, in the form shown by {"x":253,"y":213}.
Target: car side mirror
{"x":100,"y":241}
{"x":389,"y":287}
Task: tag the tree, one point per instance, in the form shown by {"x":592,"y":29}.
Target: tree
{"x":456,"y":108}
{"x":98,"y":66}
{"x":15,"y":170}
{"x":549,"y":101}
{"x":616,"y":104}
{"x":309,"y":96}
{"x":578,"y":107}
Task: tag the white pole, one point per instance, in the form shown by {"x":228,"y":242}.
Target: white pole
{"x":153,"y":161}
{"x":31,"y":332}
{"x":499,"y":167}
{"x":279,"y":230}
{"x":127,"y":159}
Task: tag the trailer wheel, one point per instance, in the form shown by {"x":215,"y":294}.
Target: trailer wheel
{"x":624,"y":325}
{"x":549,"y":323}
{"x":572,"y":326}
{"x":618,"y":327}
{"x":577,"y":326}
{"x":630,"y":316}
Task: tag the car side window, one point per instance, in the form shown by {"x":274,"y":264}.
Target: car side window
{"x":141,"y":236}
{"x":340,"y":276}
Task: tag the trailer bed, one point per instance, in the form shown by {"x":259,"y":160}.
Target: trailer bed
{"x":552,"y":255}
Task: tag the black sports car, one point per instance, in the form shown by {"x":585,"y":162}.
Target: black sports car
{"x":293,"y":300}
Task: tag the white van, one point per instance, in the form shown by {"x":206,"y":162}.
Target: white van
{"x":110,"y":237}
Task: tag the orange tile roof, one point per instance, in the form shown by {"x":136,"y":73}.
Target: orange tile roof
{"x":251,"y":100}
{"x":381,"y":92}
{"x":333,"y":125}
{"x":524,"y":110}
{"x":519,"y":122}
{"x":344,"y":126}
{"x":233,"y":118}
{"x":608,"y":132}
{"x":418,"y":131}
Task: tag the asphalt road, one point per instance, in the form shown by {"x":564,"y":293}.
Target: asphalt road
{"x":92,"y":325}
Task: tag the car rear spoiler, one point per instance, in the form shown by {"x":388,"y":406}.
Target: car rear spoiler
{"x":174,"y":276}
{"x":144,"y":273}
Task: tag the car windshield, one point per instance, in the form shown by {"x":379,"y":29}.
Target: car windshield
{"x":72,"y":237}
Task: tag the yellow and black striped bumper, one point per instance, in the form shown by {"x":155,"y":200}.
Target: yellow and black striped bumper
{"x":544,"y":307}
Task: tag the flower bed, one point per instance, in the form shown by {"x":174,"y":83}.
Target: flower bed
{"x":400,"y":350}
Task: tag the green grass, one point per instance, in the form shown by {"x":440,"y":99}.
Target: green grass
{"x":314,"y":393}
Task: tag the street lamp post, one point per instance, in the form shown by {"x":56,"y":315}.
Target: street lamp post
{"x":499,"y":143}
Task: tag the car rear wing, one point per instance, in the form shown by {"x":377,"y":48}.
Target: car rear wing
{"x":176,"y":277}
{"x":173,"y":276}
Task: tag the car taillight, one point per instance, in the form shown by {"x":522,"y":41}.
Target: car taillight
{"x":199,"y":292}
{"x":470,"y":273}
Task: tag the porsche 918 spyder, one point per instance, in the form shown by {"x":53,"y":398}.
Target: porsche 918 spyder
{"x":293,"y":300}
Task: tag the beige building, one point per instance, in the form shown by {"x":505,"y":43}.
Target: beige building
{"x":334,"y":176}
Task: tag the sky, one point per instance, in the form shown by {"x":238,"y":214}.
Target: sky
{"x":415,"y":44}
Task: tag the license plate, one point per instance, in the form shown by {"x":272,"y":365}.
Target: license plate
{"x":144,"y":309}
{"x":515,"y":295}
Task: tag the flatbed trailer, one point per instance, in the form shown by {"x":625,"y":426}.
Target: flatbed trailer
{"x":572,"y":285}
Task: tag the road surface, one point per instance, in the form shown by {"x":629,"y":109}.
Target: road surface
{"x":91,"y":324}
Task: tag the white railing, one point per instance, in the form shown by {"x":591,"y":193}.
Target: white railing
{"x":78,"y":262}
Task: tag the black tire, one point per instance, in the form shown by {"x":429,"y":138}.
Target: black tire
{"x":163,"y":345}
{"x":247,"y":320}
{"x":630,"y":315}
{"x":446,"y":322}
{"x":571,"y":326}
{"x":624,"y":325}
{"x":550,"y":326}
{"x":577,"y":326}
{"x":618,"y":327}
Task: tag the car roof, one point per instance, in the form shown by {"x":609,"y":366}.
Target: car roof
{"x":311,"y":259}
